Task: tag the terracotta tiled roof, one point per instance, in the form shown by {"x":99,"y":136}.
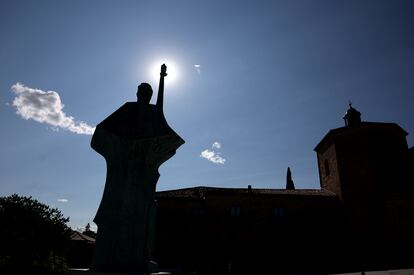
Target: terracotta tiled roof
{"x":77,"y":236}
{"x":201,"y":191}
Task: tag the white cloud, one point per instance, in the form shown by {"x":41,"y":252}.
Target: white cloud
{"x":62,"y":200}
{"x":198,"y":68}
{"x":216,"y":145}
{"x":213,"y":156}
{"x":93,"y":227}
{"x":46,"y":107}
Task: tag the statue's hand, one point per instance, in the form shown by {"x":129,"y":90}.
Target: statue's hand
{"x":163,"y":70}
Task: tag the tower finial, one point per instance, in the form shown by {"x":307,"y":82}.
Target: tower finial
{"x":352,"y":116}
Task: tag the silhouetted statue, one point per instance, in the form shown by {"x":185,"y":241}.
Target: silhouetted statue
{"x":135,"y":140}
{"x":289,"y":182}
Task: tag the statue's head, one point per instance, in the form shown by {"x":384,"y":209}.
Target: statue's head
{"x":144,"y":93}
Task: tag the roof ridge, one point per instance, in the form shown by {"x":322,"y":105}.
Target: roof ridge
{"x":201,"y":191}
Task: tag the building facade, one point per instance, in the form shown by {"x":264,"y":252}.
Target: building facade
{"x":362,"y":217}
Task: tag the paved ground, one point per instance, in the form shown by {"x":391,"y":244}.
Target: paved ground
{"x":386,"y":272}
{"x":87,"y":272}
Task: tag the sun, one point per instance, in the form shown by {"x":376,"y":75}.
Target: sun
{"x":172,"y":71}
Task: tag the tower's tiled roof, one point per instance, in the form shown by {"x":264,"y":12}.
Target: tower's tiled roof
{"x":362,"y":126}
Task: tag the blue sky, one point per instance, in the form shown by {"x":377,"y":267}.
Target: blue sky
{"x":274,"y":77}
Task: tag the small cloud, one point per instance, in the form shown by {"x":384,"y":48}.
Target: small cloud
{"x":213,"y":156}
{"x":54,"y":129}
{"x":198,"y":68}
{"x":62,"y":200}
{"x":216,"y":145}
{"x":46,"y":107}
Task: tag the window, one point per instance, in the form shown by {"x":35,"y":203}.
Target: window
{"x":279,"y":212}
{"x":198,"y":211}
{"x":235,"y":211}
{"x":327,"y":172}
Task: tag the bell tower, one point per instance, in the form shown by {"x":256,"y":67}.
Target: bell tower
{"x":361,"y":163}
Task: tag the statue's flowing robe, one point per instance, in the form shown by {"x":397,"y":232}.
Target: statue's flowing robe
{"x":135,"y":140}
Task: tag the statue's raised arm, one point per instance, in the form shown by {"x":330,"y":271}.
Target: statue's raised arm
{"x":160,"y":97}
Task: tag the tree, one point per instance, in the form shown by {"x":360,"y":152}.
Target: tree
{"x":89,"y":232}
{"x":33,"y":236}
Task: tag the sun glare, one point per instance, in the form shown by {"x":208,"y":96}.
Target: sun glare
{"x":172,"y":71}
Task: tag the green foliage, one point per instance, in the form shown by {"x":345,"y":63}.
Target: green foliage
{"x":33,"y":236}
{"x":55,"y":263}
